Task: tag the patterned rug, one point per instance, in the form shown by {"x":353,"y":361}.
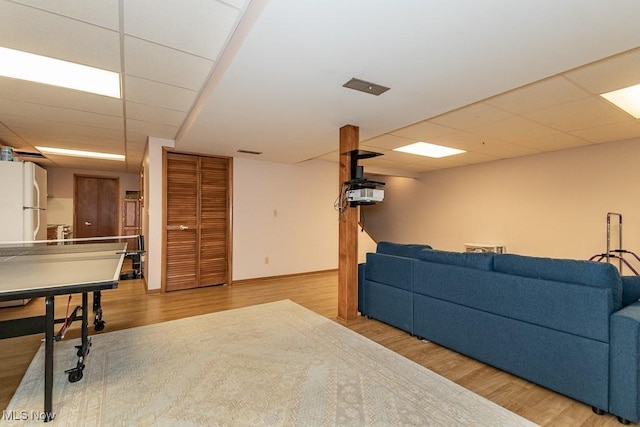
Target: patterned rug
{"x":275,"y":364}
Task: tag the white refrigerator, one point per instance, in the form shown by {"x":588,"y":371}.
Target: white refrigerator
{"x":23,"y":206}
{"x":23,"y":202}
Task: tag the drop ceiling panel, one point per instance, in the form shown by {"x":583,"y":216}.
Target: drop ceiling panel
{"x":467,"y":141}
{"x":136,"y":139}
{"x":36,"y":93}
{"x":536,"y":96}
{"x":334,"y":156}
{"x":483,"y":144}
{"x":426,"y":164}
{"x":178,"y":68}
{"x":157,"y":94}
{"x":68,"y":133}
{"x":93,"y":164}
{"x":59,"y":115}
{"x":470,"y":158}
{"x":610,"y":74}
{"x":506,"y":151}
{"x":14,"y":141}
{"x":557,"y":141}
{"x":388,"y":142}
{"x":609,"y":133}
{"x":167,"y":24}
{"x":58,"y":37}
{"x":149,"y":113}
{"x":593,"y":111}
{"x":471,"y":117}
{"x":513,"y":130}
{"x":103,"y":13}
{"x":152,"y":129}
{"x":422,"y":131}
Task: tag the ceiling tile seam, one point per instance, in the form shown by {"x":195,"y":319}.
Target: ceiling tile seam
{"x":195,"y":55}
{"x":239,"y":9}
{"x":172,"y":110}
{"x":56,"y":107}
{"x":123,"y":83}
{"x":568,"y":131}
{"x":60,"y":15}
{"x":160,"y":82}
{"x":56,"y":121}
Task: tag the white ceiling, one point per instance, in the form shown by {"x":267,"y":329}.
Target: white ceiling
{"x":498,"y":78}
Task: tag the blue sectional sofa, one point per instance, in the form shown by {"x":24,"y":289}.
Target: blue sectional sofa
{"x":571,"y":326}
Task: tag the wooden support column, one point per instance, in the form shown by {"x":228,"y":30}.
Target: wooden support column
{"x":347,"y":233}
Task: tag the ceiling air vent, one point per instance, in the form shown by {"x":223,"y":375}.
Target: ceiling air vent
{"x":250,"y":152}
{"x":364,"y":86}
{"x":29,"y":154}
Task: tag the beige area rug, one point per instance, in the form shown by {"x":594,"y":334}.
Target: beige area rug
{"x":273,"y":364}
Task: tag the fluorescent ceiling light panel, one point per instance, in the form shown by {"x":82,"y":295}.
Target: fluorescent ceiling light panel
{"x":627,"y":98}
{"x":429,"y":150}
{"x":78,"y":153}
{"x":41,"y":69}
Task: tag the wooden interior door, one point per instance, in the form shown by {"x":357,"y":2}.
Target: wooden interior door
{"x":197,"y":221}
{"x":96,"y":205}
{"x":182,"y":205}
{"x":214,"y":221}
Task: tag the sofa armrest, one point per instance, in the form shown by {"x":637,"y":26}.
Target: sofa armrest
{"x":390,"y":270}
{"x":624,"y":364}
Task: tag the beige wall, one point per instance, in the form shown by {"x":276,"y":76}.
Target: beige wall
{"x":284,"y":213}
{"x":152,"y":218}
{"x":551,"y":204}
{"x":281,"y":212}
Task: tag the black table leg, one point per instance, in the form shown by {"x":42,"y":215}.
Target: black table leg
{"x":75,"y":374}
{"x":85,"y":320}
{"x":48,"y":359}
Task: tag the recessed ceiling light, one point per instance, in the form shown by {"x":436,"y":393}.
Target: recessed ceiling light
{"x":41,"y":69}
{"x":79,"y":153}
{"x":627,"y":98}
{"x":429,"y":150}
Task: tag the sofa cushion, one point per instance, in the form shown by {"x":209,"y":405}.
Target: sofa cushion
{"x":569,"y":307}
{"x":630,"y":289}
{"x":602,"y":275}
{"x":481,"y":261}
{"x":400,"y":249}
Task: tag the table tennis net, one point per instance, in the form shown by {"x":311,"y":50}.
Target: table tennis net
{"x":51,"y":247}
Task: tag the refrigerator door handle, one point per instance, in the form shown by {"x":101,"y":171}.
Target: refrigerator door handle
{"x":37,"y":210}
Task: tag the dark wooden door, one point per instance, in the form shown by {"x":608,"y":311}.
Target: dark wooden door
{"x":96,"y":205}
{"x":197,"y":221}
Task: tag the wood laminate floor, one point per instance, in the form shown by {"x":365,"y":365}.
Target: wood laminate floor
{"x":130,"y":306}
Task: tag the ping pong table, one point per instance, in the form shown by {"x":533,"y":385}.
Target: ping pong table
{"x":32,"y":270}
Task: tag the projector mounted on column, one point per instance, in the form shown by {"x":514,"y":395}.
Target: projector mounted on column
{"x":359,"y":190}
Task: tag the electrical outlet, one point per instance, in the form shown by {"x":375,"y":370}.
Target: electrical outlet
{"x":275,"y":212}
{"x":266,"y":260}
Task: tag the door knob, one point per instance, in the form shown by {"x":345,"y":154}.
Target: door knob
{"x":87,"y":223}
{"x":183,"y":227}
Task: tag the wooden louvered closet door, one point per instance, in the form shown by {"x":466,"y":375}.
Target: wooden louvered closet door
{"x":214,"y":215}
{"x":197,"y":221}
